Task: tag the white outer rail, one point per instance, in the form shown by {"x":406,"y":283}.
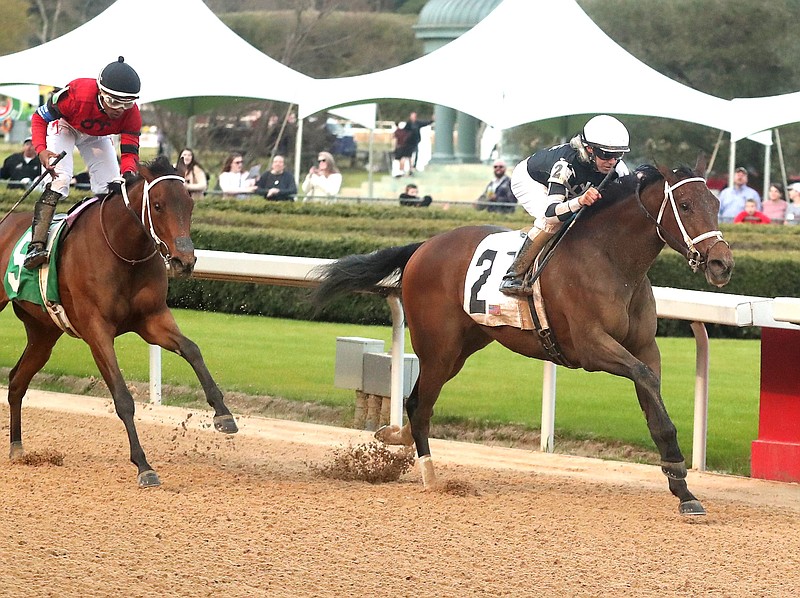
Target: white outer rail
{"x":697,"y":307}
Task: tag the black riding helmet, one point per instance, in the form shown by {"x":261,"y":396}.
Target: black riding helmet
{"x":120,"y":80}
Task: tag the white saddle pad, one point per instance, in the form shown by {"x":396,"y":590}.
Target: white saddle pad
{"x":483,"y":300}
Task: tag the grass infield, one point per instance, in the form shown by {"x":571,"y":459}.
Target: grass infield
{"x":295,"y":360}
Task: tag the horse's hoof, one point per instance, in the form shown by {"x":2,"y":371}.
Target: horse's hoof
{"x":148,"y":479}
{"x":225,"y":424}
{"x":691,"y":507}
{"x":395,"y":435}
{"x":428,"y":474}
{"x":384,"y":433}
{"x":16,"y":451}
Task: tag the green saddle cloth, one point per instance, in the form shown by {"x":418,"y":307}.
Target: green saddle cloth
{"x":23,"y":284}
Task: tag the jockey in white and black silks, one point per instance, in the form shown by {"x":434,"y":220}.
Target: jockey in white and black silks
{"x":84,"y":115}
{"x":554,"y":183}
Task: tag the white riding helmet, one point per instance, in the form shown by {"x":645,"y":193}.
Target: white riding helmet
{"x":606,"y":133}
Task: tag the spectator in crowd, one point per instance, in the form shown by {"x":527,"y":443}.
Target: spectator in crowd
{"x":402,"y":151}
{"x":793,"y":208}
{"x":193,"y":173}
{"x":774,"y":206}
{"x":323,"y":179}
{"x":751,"y":214}
{"x":233,"y":180}
{"x":733,"y":197}
{"x":410,"y":197}
{"x":84,"y":115}
{"x":498,"y":191}
{"x":21,"y":168}
{"x":414,"y":137}
{"x":278,"y":184}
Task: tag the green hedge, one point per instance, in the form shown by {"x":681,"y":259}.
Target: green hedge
{"x":767,"y":261}
{"x":767,"y":257}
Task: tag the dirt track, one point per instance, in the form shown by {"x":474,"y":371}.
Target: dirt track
{"x":246,"y":516}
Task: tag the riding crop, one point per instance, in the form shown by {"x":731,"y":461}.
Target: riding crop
{"x":35,"y":184}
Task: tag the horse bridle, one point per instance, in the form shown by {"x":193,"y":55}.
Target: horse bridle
{"x":689,"y":250}
{"x":146,"y":220}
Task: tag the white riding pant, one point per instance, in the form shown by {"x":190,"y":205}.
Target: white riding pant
{"x":97,"y":152}
{"x":532,"y":196}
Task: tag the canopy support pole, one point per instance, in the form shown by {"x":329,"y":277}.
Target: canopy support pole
{"x":298,"y":150}
{"x":713,"y":159}
{"x":782,"y":164}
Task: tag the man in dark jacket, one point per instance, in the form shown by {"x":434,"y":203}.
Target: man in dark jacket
{"x":277,"y":184}
{"x":21,"y":168}
{"x":411,"y":145}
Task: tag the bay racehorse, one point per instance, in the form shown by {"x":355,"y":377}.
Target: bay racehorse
{"x":112,"y":279}
{"x":596,"y":293}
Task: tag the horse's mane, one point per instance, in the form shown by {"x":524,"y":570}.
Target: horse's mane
{"x":625,"y":186}
{"x":160,"y":166}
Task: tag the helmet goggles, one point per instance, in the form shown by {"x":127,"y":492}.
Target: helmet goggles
{"x":116,"y":103}
{"x":606,"y":155}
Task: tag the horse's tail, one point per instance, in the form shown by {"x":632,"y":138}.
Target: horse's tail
{"x":360,"y":272}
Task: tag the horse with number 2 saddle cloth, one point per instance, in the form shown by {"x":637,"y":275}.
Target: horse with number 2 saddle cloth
{"x":599,"y":301}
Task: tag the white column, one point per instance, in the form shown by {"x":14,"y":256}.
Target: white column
{"x":548,"y":429}
{"x":155,"y":374}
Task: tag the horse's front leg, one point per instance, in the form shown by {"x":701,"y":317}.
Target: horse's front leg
{"x":612,"y":357}
{"x":662,"y":430}
{"x":106,"y":360}
{"x":162,"y":330}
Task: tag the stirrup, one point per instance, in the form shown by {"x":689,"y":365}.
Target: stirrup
{"x":515,"y":286}
{"x":36,"y":256}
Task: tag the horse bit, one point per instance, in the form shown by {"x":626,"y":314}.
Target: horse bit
{"x":692,"y":255}
{"x":146,"y":220}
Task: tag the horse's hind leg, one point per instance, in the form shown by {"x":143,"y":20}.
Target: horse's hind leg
{"x":162,"y":330}
{"x":41,"y":339}
{"x":440,"y":359}
{"x":101,"y":341}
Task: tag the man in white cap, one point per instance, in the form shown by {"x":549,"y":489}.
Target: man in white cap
{"x":793,"y":209}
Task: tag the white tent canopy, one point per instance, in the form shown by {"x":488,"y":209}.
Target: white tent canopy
{"x":753,"y":115}
{"x":158,"y":39}
{"x":462,"y":74}
{"x":506,"y":93}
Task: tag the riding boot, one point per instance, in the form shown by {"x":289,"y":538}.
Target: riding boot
{"x":514,"y":280}
{"x":43,"y":213}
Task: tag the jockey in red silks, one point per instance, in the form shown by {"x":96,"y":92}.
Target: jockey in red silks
{"x":84,"y":115}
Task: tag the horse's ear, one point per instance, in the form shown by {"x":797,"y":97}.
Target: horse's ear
{"x":145,"y":173}
{"x":665,"y":172}
{"x":701,"y":165}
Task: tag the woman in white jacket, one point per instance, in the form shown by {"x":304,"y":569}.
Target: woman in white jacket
{"x":234,"y":180}
{"x":323,"y":179}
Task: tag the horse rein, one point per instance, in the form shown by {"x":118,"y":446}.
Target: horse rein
{"x":146,"y":220}
{"x":689,"y":250}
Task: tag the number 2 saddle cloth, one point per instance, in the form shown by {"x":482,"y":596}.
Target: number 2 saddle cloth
{"x":483,"y":300}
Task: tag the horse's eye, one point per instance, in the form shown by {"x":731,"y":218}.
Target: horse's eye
{"x":685,"y":207}
{"x":157,"y":207}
